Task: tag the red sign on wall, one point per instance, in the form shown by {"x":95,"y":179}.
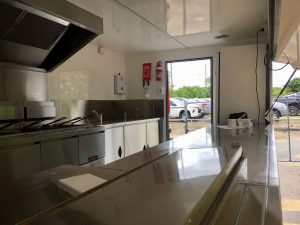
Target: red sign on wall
{"x":147,"y":71}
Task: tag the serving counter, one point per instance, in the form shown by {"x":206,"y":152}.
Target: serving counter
{"x":209,"y":176}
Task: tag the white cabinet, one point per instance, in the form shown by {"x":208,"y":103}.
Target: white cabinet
{"x":129,"y":139}
{"x":114,"y":144}
{"x":152,"y":134}
{"x":135,"y":138}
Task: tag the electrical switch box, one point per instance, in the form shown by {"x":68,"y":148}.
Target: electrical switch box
{"x":119,"y":84}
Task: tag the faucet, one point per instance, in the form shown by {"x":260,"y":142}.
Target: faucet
{"x":99,"y":116}
{"x":136,"y":112}
{"x":125,"y":116}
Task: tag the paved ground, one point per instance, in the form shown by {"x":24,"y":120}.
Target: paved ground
{"x":289,"y":172}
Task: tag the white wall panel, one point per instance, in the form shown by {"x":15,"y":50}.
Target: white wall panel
{"x":237,"y":80}
{"x":88,"y":75}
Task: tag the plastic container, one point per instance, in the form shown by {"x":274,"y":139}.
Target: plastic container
{"x":240,"y":123}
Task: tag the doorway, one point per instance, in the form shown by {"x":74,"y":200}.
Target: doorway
{"x":189,"y":95}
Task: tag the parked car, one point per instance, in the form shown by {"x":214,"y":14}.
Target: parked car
{"x":177,"y":109}
{"x":205,"y":105}
{"x":293,"y":102}
{"x":279,"y":110}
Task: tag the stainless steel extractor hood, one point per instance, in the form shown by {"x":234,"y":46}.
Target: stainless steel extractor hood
{"x":43,"y":34}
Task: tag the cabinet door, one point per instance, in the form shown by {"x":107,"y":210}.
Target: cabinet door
{"x":114,"y":144}
{"x":91,"y":147}
{"x":19,"y":162}
{"x":135,"y":138}
{"x":152,"y":134}
{"x":59,"y":152}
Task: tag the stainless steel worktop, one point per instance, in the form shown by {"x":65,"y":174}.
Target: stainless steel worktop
{"x":164,"y":192}
{"x":32,"y":195}
{"x":166,"y":183}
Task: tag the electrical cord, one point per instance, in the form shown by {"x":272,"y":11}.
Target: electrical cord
{"x":278,"y":69}
{"x":282,"y":90}
{"x":256,"y":75}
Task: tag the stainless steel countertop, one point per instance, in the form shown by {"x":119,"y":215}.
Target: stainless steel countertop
{"x":163,"y":192}
{"x":32,"y":195}
{"x":155,"y":190}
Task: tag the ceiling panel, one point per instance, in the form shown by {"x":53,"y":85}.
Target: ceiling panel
{"x":125,"y":31}
{"x":153,"y":25}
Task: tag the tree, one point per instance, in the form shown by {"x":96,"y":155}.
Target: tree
{"x":277,"y":90}
{"x":294,"y":85}
{"x":191,"y":92}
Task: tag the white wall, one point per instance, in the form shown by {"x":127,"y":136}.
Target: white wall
{"x":237,"y":76}
{"x":134,"y":67}
{"x":237,"y":79}
{"x":88,"y":75}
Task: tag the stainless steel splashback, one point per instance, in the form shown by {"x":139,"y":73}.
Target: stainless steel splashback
{"x":33,"y":110}
{"x":111,"y":110}
{"x":26,"y":110}
{"x":21,"y":85}
{"x":11,"y":110}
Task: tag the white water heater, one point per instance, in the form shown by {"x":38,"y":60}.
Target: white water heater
{"x":119,"y":84}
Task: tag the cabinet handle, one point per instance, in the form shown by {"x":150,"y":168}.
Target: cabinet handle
{"x":93,"y":158}
{"x":120,"y":152}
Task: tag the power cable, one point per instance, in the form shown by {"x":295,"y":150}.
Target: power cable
{"x":278,"y":69}
{"x":256,"y":75}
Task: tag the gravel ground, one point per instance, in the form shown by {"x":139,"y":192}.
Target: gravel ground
{"x":177,"y":126}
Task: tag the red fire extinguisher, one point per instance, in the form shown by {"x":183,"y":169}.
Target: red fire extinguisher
{"x":146,"y":73}
{"x":159,"y":71}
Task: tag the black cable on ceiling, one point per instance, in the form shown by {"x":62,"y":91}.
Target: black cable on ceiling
{"x":278,"y":69}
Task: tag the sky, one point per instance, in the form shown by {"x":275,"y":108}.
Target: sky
{"x":281,"y":77}
{"x":196,"y":73}
{"x":189,"y":73}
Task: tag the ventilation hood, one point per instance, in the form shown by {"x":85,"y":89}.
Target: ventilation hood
{"x":42,"y":34}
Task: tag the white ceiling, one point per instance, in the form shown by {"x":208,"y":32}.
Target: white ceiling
{"x":154,"y":25}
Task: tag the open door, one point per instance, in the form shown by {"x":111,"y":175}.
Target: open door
{"x":189,"y":98}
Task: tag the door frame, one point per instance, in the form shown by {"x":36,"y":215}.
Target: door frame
{"x":167,"y":87}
